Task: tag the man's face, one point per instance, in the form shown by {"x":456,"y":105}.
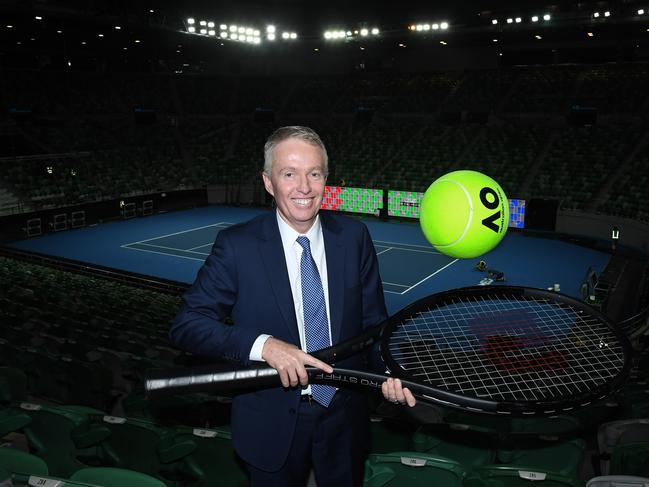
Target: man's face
{"x":297,"y":182}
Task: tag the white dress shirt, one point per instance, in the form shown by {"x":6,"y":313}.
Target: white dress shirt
{"x":293,"y":255}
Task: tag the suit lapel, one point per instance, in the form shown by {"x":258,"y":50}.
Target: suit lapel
{"x":335,"y":251}
{"x":272,"y":254}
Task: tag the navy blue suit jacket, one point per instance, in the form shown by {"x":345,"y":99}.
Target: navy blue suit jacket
{"x":245,"y":278}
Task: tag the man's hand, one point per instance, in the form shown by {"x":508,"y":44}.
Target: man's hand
{"x":290,"y":362}
{"x":394,"y":392}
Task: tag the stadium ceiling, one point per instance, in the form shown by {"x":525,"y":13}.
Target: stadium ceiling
{"x":160,"y":27}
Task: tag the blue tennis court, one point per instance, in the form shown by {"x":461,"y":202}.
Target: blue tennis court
{"x":174,"y":246}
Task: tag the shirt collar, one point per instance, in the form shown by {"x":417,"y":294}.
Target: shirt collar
{"x":289,"y":234}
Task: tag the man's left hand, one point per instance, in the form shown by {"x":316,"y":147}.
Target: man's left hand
{"x":394,"y":392}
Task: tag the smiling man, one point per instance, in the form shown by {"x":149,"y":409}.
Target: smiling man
{"x":293,"y":281}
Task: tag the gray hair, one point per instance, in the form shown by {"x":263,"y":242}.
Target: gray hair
{"x":305,"y":134}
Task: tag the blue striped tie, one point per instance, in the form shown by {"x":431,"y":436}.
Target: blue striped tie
{"x":316,"y":325}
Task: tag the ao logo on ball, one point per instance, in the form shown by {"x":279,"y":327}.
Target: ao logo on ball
{"x":464,"y":214}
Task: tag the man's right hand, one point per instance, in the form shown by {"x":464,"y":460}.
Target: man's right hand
{"x":290,"y":362}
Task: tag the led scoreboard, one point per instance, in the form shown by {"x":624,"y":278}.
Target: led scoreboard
{"x":354,"y":200}
{"x":406,"y":204}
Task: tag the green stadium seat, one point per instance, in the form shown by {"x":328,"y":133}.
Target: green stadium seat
{"x":509,"y":476}
{"x":412,"y":469}
{"x":214,"y":459}
{"x":115,"y":477}
{"x":564,"y":459}
{"x":389,"y":435}
{"x":141,"y":445}
{"x":64,"y":436}
{"x":17,"y":461}
{"x":469,"y":448}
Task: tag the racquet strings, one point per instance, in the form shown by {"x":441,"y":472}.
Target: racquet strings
{"x":507,"y":348}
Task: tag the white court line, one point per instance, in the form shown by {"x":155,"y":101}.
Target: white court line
{"x":428,"y":277}
{"x":178,"y":233}
{"x":399,"y":244}
{"x":164,"y":253}
{"x":394,"y":284}
{"x":168,"y":248}
{"x":383,"y":251}
{"x":199,"y":246}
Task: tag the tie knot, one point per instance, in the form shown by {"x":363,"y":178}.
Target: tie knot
{"x":304,"y":243}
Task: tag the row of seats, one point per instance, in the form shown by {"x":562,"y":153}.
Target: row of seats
{"x":549,"y":89}
{"x":403,"y":154}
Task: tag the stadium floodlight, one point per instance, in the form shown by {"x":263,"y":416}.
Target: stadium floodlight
{"x":223,"y":27}
{"x":494,"y":21}
{"x":348,"y":33}
{"x":412,"y":27}
{"x":535,"y":18}
{"x":270,"y":29}
{"x":203,"y":31}
{"x":425,"y":27}
{"x":10,"y":27}
{"x":257,"y":40}
{"x":59,"y":32}
{"x":249,"y":31}
{"x":211,"y":32}
{"x":270,"y":37}
{"x":293,"y":35}
{"x":435,"y":26}
{"x":375,"y":31}
{"x":327,"y":35}
{"x":203,"y":23}
{"x":495,"y":40}
{"x":234,"y":36}
{"x":443,"y":43}
{"x":596,"y":14}
{"x":117,"y":27}
{"x":210,"y":24}
{"x":510,"y":20}
{"x":233,"y":28}
{"x":443,"y":25}
{"x":248,"y":38}
{"x":137,"y":41}
{"x":518,"y":20}
{"x":607,"y":14}
{"x":100,"y":35}
{"x":38,"y":17}
{"x":224,"y":34}
{"x":241,"y":30}
{"x":191,"y":29}
{"x":256,"y":33}
{"x":547,"y":17}
{"x":191,"y":21}
{"x":590,"y":34}
{"x":364,"y":32}
{"x":286,"y":35}
{"x":419,"y":27}
{"x":538,"y":37}
{"x":641,"y":11}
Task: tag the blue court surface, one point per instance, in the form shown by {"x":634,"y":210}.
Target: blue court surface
{"x":174,"y":245}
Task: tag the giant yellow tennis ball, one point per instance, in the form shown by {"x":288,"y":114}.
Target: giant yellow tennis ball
{"x":464,"y":214}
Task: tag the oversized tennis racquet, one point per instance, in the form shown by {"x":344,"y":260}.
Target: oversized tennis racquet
{"x":492,"y":349}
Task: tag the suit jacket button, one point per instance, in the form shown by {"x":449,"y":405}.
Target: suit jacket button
{"x":291,"y":411}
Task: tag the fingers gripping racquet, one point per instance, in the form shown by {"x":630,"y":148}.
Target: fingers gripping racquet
{"x":501,"y":349}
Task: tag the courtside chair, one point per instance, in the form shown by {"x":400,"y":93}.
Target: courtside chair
{"x":624,"y":447}
{"x":618,"y":481}
{"x":412,"y":469}
{"x":115,"y":477}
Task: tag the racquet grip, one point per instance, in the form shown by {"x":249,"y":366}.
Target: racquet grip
{"x":168,"y":382}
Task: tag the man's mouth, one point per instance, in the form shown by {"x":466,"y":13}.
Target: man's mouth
{"x":302,"y":201}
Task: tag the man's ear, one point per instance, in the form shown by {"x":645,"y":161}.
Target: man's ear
{"x":268,"y":183}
